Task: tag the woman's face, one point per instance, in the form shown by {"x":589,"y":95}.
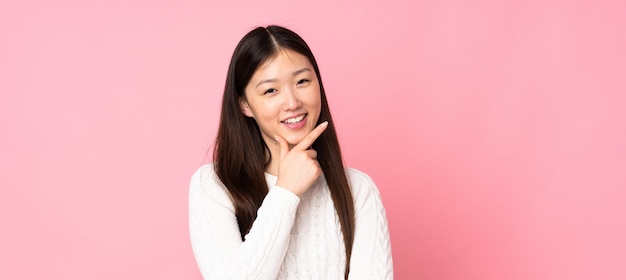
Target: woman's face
{"x":283,"y":96}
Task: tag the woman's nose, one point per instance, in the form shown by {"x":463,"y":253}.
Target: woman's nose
{"x":292,"y":101}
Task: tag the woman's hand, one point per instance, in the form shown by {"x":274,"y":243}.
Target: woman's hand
{"x":298,"y":168}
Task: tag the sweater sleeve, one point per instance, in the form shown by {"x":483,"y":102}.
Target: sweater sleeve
{"x":371,"y":251}
{"x":215,"y":236}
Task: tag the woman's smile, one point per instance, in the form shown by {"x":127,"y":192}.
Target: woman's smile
{"x":295,"y":122}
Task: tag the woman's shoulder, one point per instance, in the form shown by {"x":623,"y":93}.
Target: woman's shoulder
{"x":364,"y":190}
{"x":204,"y":173}
{"x":357,"y":174}
{"x":205,"y":168}
{"x":360,"y":182}
{"x":204,"y":181}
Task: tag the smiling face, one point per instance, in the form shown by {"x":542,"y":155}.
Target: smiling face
{"x":283,"y":97}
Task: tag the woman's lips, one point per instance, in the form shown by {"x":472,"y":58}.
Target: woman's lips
{"x":295,"y":122}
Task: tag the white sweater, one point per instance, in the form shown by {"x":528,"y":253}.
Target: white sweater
{"x":292,"y":237}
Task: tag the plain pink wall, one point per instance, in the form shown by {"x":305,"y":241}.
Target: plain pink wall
{"x":495,"y":130}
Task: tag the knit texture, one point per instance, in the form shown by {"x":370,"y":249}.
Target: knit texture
{"x":292,"y":237}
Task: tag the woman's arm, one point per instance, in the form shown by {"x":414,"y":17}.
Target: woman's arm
{"x":215,"y":236}
{"x":371,"y":251}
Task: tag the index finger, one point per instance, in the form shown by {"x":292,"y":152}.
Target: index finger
{"x":312,"y":136}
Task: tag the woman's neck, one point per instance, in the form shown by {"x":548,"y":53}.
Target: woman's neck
{"x":274,"y":156}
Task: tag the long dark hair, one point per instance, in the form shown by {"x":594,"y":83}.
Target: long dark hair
{"x":240,"y":155}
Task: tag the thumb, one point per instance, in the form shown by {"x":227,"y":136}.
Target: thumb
{"x":284,"y":147}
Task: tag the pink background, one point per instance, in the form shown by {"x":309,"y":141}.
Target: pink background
{"x":495,"y":130}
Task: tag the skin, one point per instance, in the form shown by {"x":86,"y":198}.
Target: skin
{"x":282,"y":88}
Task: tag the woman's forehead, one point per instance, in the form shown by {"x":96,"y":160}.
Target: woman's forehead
{"x":285,"y":62}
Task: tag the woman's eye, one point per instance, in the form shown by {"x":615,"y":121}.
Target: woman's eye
{"x":271,"y":90}
{"x":303,"y":81}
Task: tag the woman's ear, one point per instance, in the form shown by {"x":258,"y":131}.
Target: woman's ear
{"x":245,"y":108}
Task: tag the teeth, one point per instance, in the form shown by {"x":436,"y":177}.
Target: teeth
{"x":294,"y":120}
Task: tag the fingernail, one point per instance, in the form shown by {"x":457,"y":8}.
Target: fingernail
{"x":325,"y":123}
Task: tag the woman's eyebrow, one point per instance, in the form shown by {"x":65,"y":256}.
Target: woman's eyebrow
{"x":266,"y":81}
{"x":295,"y":73}
{"x":301,"y":71}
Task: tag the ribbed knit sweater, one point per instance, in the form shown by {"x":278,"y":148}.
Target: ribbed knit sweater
{"x":292,"y":237}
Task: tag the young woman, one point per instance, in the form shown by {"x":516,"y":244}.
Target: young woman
{"x":277,"y":203}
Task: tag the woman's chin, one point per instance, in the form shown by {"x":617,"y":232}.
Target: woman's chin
{"x":295,"y":137}
{"x":293,"y":140}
